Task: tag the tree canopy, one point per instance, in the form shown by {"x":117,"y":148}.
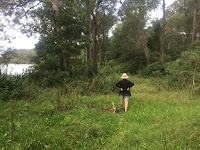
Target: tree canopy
{"x":76,"y":34}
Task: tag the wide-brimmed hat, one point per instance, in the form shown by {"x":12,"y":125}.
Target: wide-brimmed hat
{"x":124,"y":76}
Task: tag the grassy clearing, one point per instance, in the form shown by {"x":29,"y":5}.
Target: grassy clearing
{"x":156,"y":119}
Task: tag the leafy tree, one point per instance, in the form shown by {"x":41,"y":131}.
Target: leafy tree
{"x":6,"y":57}
{"x":179,"y":28}
{"x":163,"y":34}
{"x":185,"y":70}
{"x":100,"y":18}
{"x":196,"y":2}
{"x":130,"y":38}
{"x":127,"y":53}
{"x":154,"y":40}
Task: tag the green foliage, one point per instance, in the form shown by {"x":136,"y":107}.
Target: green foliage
{"x":49,"y":75}
{"x":15,"y":87}
{"x":58,"y":52}
{"x":89,"y":83}
{"x":104,"y":83}
{"x":195,"y":46}
{"x":6,"y":56}
{"x":154,"y":40}
{"x":154,"y":70}
{"x":48,"y":78}
{"x":185,"y":70}
{"x":129,"y":55}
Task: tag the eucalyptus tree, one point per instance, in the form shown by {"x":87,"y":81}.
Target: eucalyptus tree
{"x":196,"y":4}
{"x":163,"y":34}
{"x":179,"y":27}
{"x":64,"y":42}
{"x":100,"y":18}
{"x":134,"y":16}
{"x":185,"y":70}
{"x":154,"y":40}
{"x":107,"y":19}
{"x":56,"y":6}
{"x":88,"y":31}
{"x":59,"y":25}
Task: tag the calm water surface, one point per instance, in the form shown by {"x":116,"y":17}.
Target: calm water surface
{"x":15,"y":68}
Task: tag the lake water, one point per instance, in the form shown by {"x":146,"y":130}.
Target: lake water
{"x":14,"y":69}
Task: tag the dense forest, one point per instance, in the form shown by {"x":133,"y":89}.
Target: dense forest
{"x":77,"y":63}
{"x":75,"y":37}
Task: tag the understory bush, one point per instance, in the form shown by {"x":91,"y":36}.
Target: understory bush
{"x":185,"y":71}
{"x":154,"y":70}
{"x":103,"y":82}
{"x":48,"y":78}
{"x":81,"y":78}
{"x":106,"y":79}
{"x":51,"y":77}
{"x":78,"y":81}
{"x":15,"y":87}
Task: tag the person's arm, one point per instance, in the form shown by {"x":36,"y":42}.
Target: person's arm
{"x":131,"y":84}
{"x":118,"y":85}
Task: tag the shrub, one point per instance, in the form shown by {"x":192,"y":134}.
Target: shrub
{"x":106,"y":79}
{"x":185,"y":70}
{"x":15,"y":87}
{"x":155,"y":70}
{"x":104,"y":84}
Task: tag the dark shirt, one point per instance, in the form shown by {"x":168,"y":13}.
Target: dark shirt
{"x":125,"y":84}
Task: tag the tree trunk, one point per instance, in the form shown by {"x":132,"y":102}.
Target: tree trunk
{"x":185,"y":42}
{"x":56,"y":4}
{"x":74,"y":5}
{"x":101,"y":47}
{"x":95,"y":29}
{"x":95,"y":45}
{"x":185,"y":35}
{"x":146,"y":50}
{"x":147,"y":55}
{"x":56,"y":7}
{"x":193,"y":78}
{"x":88,"y":32}
{"x":62,"y":59}
{"x":194,"y":20}
{"x":100,"y":50}
{"x":163,"y":34}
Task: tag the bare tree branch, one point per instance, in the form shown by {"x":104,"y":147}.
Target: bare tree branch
{"x":121,"y":2}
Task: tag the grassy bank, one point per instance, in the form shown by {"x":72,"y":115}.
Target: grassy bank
{"x":156,"y":119}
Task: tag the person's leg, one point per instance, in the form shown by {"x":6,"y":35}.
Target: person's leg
{"x":126,"y":102}
{"x":122,"y":104}
{"x":121,"y":101}
{"x":126,"y":106}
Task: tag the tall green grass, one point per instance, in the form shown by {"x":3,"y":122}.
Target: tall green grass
{"x":156,"y":119}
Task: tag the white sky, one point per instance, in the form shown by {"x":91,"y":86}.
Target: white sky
{"x":20,"y":41}
{"x":23,"y":42}
{"x":158,"y":13}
